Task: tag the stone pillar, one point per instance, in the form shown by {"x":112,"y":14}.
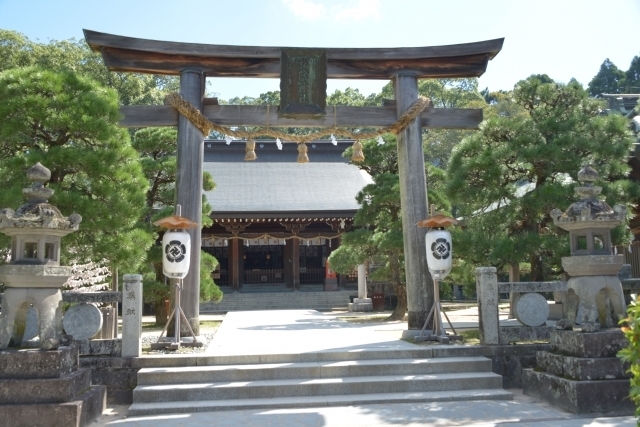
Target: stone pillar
{"x":190,"y":154}
{"x":362,"y":281}
{"x":514,"y":276}
{"x":132,"y":316}
{"x":362,"y":303}
{"x":487,"y":290}
{"x":413,"y":196}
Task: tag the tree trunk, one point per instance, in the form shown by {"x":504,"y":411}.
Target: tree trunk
{"x":401,"y":307}
{"x":161,"y":312}
{"x":537,"y":273}
{"x":399,"y":288}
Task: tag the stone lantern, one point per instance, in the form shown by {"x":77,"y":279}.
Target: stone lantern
{"x":594,"y":292}
{"x":34,"y":275}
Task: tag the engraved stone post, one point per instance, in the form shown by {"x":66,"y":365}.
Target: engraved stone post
{"x":487,"y":289}
{"x":132,"y":316}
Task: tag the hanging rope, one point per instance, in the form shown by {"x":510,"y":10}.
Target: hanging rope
{"x":206,"y":126}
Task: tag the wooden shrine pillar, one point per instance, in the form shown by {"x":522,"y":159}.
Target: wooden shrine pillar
{"x":236,"y":263}
{"x":190,"y":154}
{"x":295,"y":262}
{"x":413,"y":197}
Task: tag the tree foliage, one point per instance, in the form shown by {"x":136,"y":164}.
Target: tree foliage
{"x":378,"y":238}
{"x":70,"y":124}
{"x":506,"y":178}
{"x":608,"y":79}
{"x":16,"y":50}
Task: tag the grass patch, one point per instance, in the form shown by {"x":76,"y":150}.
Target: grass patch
{"x":210,"y":324}
{"x":365,"y":319}
{"x":471,"y":336}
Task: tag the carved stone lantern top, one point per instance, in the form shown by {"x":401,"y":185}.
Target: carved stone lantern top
{"x":589,"y":211}
{"x":37,"y":226}
{"x":37,"y":213}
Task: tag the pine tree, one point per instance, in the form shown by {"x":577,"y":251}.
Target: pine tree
{"x":608,"y":80}
{"x":70,"y":124}
{"x":506,"y":178}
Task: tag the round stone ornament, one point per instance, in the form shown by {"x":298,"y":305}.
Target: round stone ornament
{"x":532,"y":309}
{"x":82,"y":321}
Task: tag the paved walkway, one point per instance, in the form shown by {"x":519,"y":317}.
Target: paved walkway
{"x":301,"y":331}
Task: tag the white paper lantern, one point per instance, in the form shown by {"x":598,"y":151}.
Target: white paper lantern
{"x":439,"y":253}
{"x":175,"y":254}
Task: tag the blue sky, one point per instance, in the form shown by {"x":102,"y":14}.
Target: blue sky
{"x":563,"y":38}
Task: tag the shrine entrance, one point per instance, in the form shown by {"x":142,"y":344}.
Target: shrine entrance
{"x":303,"y":73}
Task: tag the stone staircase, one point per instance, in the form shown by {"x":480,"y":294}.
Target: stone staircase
{"x":248,"y":300}
{"x":215,"y":383}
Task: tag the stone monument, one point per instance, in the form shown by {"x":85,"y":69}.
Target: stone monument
{"x":582,"y":373}
{"x":40,"y":387}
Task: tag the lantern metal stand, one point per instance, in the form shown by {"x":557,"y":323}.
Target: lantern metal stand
{"x":175,"y":265}
{"x":439,"y":245}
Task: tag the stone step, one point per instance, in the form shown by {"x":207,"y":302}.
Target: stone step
{"x":139,"y":409}
{"x":183,"y":360}
{"x":316,"y":387}
{"x":275,"y":371}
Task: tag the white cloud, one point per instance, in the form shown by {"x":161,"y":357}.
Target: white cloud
{"x":364,"y":9}
{"x":306,"y":8}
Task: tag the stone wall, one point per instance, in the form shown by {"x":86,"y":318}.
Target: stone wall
{"x":119,"y":374}
{"x":510,"y":360}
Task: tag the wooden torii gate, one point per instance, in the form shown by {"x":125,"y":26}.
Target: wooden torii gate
{"x":404,"y":66}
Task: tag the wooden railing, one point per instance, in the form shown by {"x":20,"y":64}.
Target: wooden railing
{"x":311,"y":276}
{"x":263,"y":276}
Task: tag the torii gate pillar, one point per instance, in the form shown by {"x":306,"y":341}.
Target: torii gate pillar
{"x":413,"y":197}
{"x":189,"y":189}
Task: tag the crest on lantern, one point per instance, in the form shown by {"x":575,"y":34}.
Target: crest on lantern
{"x":176,"y":246}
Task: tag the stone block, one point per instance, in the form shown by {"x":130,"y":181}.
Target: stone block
{"x":50,"y":390}
{"x":82,"y":321}
{"x":603,"y":343}
{"x":531,"y":309}
{"x":78,"y":413}
{"x":29,"y":364}
{"x":119,"y":382}
{"x":509,"y":361}
{"x":509,"y":334}
{"x":581,"y":368}
{"x":579,"y":397}
{"x":100,"y":347}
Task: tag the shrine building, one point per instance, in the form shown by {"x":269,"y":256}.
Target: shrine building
{"x":276,"y":220}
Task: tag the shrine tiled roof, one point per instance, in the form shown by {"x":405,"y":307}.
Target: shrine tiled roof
{"x":275,"y":184}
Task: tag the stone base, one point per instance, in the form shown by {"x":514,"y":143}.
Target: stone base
{"x":579,"y":397}
{"x":582,"y":368}
{"x":46,"y":388}
{"x":509,"y":334}
{"x":80,"y":412}
{"x":28,"y":364}
{"x":581,"y":373}
{"x":331,"y":287}
{"x":603,"y":343}
{"x":361,"y":304}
